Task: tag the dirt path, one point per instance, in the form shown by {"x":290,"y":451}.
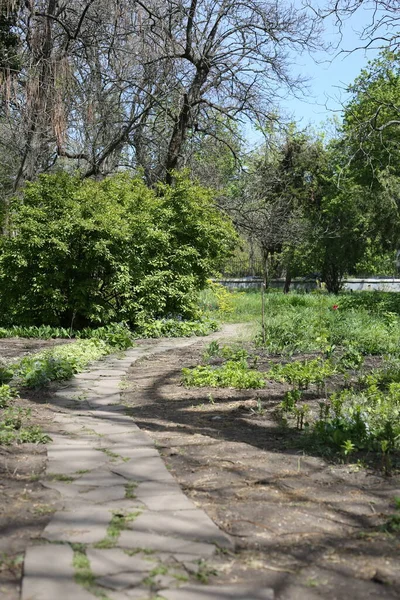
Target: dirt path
{"x":307,"y":528}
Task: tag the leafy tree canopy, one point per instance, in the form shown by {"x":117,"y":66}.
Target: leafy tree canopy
{"x":87,"y":252}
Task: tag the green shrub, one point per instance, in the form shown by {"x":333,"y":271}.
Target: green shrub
{"x":6,"y":395}
{"x":175,"y":328}
{"x":302,"y":373}
{"x":233,"y":373}
{"x":58,"y":363}
{"x":86,"y":252}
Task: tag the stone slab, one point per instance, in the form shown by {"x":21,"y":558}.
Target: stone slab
{"x":49,"y":575}
{"x":100,"y":495}
{"x":113,"y":561}
{"x":99,"y":478}
{"x":226,"y":592}
{"x":167,"y":501}
{"x":186,"y":524}
{"x":146,"y":540}
{"x":147,"y":469}
{"x":83,"y":524}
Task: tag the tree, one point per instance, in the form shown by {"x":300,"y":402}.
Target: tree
{"x":371,"y":126}
{"x":280,"y":190}
{"x":111,"y":83}
{"x":84,"y":252}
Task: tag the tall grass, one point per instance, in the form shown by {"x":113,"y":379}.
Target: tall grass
{"x":316,"y":322}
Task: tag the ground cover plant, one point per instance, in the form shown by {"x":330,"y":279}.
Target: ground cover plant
{"x":337,"y":358}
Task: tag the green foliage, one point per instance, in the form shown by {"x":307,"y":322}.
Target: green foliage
{"x":290,"y":400}
{"x":246,"y":306}
{"x":13,"y":428}
{"x":308,"y":323}
{"x":85,"y":252}
{"x":372,"y":302}
{"x":6,"y":395}
{"x":175,"y":328}
{"x":116,"y":335}
{"x":234,"y":374}
{"x":303,"y":373}
{"x":223,"y":297}
{"x":58,"y":363}
{"x":366,"y":419}
{"x":6,"y":373}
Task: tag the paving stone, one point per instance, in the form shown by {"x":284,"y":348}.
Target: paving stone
{"x":84,"y":524}
{"x":104,"y":401}
{"x":226,"y":592}
{"x":113,"y":561}
{"x":49,"y":575}
{"x":68,"y":458}
{"x":147,"y":469}
{"x":113,"y":426}
{"x":147,"y":540}
{"x":99,"y":478}
{"x":66,"y":490}
{"x":185,"y":524}
{"x":135,"y":452}
{"x":133,"y":594}
{"x":121,"y":581}
{"x":167,"y":501}
{"x":109,"y":373}
{"x":89,"y":376}
{"x":157,"y":488}
{"x":100,"y":495}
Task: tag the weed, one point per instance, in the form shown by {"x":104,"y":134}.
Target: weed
{"x":83,"y":573}
{"x":204,"y":571}
{"x":303,"y":373}
{"x":117,"y":524}
{"x":130,"y":489}
{"x":114,"y":457}
{"x":259,"y":410}
{"x":290,"y":400}
{"x":235,"y":374}
{"x":60,"y":477}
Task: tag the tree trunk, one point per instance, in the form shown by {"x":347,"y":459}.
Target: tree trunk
{"x":288,"y":281}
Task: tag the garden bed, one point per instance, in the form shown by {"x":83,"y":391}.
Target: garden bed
{"x":308,"y":526}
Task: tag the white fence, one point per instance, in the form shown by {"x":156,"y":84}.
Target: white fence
{"x":353,"y":284}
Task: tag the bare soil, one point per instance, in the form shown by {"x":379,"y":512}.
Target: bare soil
{"x":308,"y":527}
{"x":25,"y":505}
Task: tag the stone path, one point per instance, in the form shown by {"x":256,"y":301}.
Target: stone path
{"x":125,"y":530}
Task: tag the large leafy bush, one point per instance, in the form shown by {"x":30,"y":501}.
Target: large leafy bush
{"x":81,"y":253}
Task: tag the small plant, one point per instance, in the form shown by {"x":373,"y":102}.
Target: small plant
{"x":393,"y":523}
{"x":213,"y":349}
{"x":302,"y":373}
{"x":348,"y":447}
{"x":175,"y":328}
{"x":351,"y":359}
{"x":234,"y":374}
{"x":259,"y":410}
{"x":300,"y":413}
{"x":290,"y":400}
{"x":6,"y":395}
{"x":117,"y":524}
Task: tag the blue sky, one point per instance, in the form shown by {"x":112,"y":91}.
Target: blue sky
{"x":329,"y":74}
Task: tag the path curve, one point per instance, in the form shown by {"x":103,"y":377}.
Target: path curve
{"x":124,"y":530}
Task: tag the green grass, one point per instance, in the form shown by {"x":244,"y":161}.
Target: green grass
{"x":309,"y":322}
{"x":340,"y":331}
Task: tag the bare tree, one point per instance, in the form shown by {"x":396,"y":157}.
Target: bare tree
{"x":125,"y":83}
